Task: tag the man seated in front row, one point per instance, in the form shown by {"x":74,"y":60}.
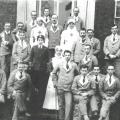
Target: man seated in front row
{"x":83,"y":88}
{"x":110,"y":92}
{"x":96,"y":77}
{"x":19,"y":88}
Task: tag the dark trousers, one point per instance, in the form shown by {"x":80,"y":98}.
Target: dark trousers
{"x":65,"y":104}
{"x":51,"y":52}
{"x":5,"y":61}
{"x":39,"y":80}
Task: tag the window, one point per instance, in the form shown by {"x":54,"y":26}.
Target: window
{"x":117,"y":9}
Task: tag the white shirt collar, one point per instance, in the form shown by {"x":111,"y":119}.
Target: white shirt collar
{"x":7,"y":32}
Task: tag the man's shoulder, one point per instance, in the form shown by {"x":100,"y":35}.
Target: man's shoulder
{"x":108,"y":37}
{"x":2,"y":33}
{"x":73,"y":63}
{"x":93,"y":56}
{"x":77,"y":77}
{"x":96,"y":39}
{"x":34,"y":47}
{"x":60,"y":27}
{"x":46,"y":48}
{"x":2,"y":71}
{"x":13,"y":72}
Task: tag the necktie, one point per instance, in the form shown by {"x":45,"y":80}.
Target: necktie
{"x":46,"y":19}
{"x":20,"y":74}
{"x":54,"y":27}
{"x":110,"y":79}
{"x":86,"y":58}
{"x":113,"y":37}
{"x":83,"y":40}
{"x":67,"y":66}
{"x":96,"y":78}
{"x":97,"y":85}
{"x":83,"y":78}
{"x":22,"y":43}
{"x":33,"y":22}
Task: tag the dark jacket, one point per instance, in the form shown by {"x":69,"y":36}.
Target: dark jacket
{"x":39,"y":58}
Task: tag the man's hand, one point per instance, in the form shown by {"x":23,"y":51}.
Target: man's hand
{"x":5,"y":42}
{"x":36,"y":90}
{"x":14,"y":93}
{"x":84,"y":94}
{"x":27,"y":99}
{"x":112,"y":56}
{"x":113,"y":99}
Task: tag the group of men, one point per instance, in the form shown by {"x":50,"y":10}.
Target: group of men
{"x":24,"y":56}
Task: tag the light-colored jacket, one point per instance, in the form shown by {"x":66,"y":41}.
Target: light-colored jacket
{"x":111,"y":47}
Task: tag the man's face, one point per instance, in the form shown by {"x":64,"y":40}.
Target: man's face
{"x":90,"y":33}
{"x":82,"y":33}
{"x":34,"y":15}
{"x":40,"y":41}
{"x":7,"y":27}
{"x":96,"y":70}
{"x":110,"y":70}
{"x":46,"y":12}
{"x":76,"y":12}
{"x":54,"y":19}
{"x":114,"y":30}
{"x":25,"y":67}
{"x":84,"y":71}
{"x":87,"y":49}
{"x":67,"y":56}
{"x":20,"y":67}
{"x":20,"y":26}
{"x":22,"y":36}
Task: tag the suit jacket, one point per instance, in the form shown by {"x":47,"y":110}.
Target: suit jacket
{"x":63,"y":77}
{"x":6,"y":49}
{"x":21,"y":52}
{"x":111,"y":47}
{"x":39,"y":58}
{"x":110,"y":90}
{"x":95,"y":43}
{"x":91,"y":61}
{"x":79,"y":87}
{"x":54,"y":36}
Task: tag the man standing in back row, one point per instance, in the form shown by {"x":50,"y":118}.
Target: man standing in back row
{"x":112,"y":50}
{"x":6,"y":45}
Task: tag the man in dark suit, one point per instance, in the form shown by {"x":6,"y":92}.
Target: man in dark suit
{"x":39,"y":58}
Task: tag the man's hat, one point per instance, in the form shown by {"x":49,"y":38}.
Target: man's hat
{"x":114,"y":26}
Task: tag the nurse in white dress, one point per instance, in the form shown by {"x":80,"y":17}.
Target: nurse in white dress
{"x":51,"y":98}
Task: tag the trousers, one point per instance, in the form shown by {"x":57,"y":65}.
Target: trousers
{"x":65,"y":104}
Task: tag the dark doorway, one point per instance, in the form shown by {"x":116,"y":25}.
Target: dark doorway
{"x":104,"y":18}
{"x":8,"y":12}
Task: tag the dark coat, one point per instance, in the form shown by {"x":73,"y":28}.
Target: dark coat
{"x":39,"y":58}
